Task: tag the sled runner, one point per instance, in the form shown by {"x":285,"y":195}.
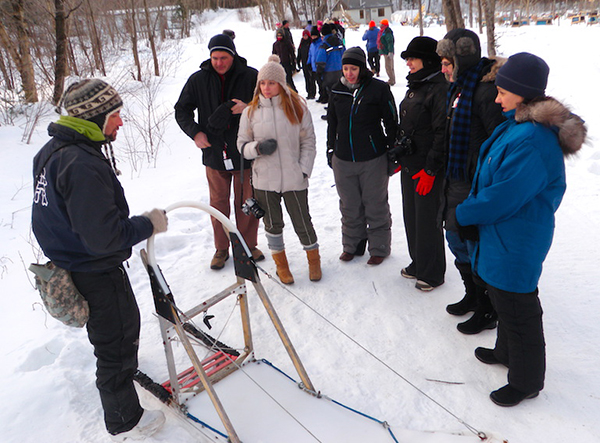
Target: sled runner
{"x":231,"y":396}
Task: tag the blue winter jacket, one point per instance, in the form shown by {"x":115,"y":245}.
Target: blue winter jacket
{"x":329,"y":54}
{"x":370,"y":36}
{"x":312,"y":53}
{"x":80,"y":216}
{"x":518,"y":186}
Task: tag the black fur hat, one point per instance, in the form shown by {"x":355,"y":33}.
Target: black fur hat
{"x":461,"y":45}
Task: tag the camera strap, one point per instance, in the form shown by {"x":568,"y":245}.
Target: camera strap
{"x":242,"y":175}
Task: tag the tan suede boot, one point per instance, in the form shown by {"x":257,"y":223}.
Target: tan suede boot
{"x":314,"y":264}
{"x":283,"y":269}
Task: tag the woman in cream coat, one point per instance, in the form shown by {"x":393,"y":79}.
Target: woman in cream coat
{"x":276,"y":132}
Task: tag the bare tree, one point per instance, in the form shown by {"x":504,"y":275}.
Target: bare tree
{"x":61,"y":65}
{"x":151,"y":38}
{"x":489,"y":7}
{"x":95,"y":39}
{"x":133,"y":35}
{"x":20,"y":50}
{"x":453,"y":14}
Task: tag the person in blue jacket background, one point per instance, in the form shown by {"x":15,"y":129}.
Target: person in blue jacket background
{"x":370,"y":36}
{"x":517,"y":188}
{"x":316,"y":42}
{"x":329,"y":58}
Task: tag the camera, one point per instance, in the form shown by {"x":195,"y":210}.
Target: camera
{"x":402,"y":148}
{"x":251,"y":207}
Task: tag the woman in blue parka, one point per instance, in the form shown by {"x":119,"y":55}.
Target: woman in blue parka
{"x":518,"y":186}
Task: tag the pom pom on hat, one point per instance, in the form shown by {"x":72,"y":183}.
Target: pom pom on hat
{"x":272,"y":71}
{"x":524,"y":74}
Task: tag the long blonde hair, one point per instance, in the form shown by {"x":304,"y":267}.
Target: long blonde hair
{"x":291,"y":103}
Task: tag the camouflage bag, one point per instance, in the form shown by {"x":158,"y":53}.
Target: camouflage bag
{"x":59,"y":294}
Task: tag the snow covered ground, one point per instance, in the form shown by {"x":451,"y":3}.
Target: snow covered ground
{"x":47,"y":372}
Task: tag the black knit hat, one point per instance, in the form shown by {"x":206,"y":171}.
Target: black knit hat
{"x":221,"y":42}
{"x":91,"y":99}
{"x":461,"y":45}
{"x":423,"y":48}
{"x":315,"y":31}
{"x":354,"y":56}
{"x":524,"y":74}
{"x":326,"y":29}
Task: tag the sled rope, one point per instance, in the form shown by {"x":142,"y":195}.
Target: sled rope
{"x":241,"y":369}
{"x":319,"y":395}
{"x":197,"y":420}
{"x":472,"y":429}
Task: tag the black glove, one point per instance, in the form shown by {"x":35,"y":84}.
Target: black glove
{"x":470,"y":232}
{"x":267,"y":147}
{"x":320,"y":68}
{"x":219,"y":120}
{"x":329,"y":157}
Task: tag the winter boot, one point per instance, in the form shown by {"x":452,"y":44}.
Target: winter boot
{"x":314,"y":264}
{"x":283,"y":269}
{"x":480,"y":320}
{"x":469,"y":301}
{"x":219,"y":259}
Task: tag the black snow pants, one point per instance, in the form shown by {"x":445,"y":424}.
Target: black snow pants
{"x":113,"y":329}
{"x":423,"y":228}
{"x":520,"y":343}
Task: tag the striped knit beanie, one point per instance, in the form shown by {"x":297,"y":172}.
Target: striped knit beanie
{"x":93,"y":100}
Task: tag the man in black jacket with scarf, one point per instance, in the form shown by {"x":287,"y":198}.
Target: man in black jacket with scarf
{"x":472,"y":117}
{"x":219,"y":92}
{"x":81,"y":220}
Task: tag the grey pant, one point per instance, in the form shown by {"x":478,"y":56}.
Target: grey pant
{"x":363,"y":191}
{"x":296,"y":204}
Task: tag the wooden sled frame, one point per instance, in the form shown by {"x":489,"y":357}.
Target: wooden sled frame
{"x":172,"y":321}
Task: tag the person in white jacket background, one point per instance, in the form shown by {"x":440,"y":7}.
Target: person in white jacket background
{"x":276,"y":132}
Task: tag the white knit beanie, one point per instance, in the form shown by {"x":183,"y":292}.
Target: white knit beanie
{"x":272,"y":71}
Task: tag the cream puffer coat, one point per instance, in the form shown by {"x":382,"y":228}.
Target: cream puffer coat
{"x":290,"y":166}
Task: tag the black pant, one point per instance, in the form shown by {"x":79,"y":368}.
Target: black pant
{"x":423,"y":228}
{"x":114,"y":330}
{"x":520,"y":343}
{"x":323,"y":96}
{"x":373,"y":58}
{"x":289,"y":72}
{"x":309,"y":81}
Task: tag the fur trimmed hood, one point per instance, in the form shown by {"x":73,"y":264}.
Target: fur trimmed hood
{"x":491,"y":76}
{"x":571,"y":129}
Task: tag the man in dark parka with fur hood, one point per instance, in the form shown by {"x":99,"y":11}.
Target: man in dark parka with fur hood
{"x":472,"y":117}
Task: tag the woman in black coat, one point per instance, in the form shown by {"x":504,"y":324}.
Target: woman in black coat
{"x":422,"y":156}
{"x":356,"y":150}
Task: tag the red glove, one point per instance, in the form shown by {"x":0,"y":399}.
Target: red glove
{"x":425,"y":182}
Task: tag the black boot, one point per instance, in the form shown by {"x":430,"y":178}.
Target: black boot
{"x":469,"y":301}
{"x":508,"y":396}
{"x":481,"y":319}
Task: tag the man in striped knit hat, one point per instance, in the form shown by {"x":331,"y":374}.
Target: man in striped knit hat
{"x":81,"y":220}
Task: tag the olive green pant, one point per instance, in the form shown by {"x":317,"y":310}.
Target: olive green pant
{"x":296,"y":204}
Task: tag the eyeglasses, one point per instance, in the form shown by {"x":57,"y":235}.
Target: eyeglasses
{"x":446,"y":64}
